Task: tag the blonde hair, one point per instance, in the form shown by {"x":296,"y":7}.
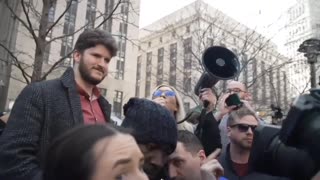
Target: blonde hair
{"x":180,"y":113}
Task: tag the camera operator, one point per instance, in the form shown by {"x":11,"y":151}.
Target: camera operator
{"x":235,"y":157}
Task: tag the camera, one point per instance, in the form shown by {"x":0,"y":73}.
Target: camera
{"x":234,"y":100}
{"x":294,"y":150}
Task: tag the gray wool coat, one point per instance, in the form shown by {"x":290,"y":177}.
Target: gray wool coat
{"x":42,"y":111}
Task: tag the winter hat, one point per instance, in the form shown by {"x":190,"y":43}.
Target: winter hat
{"x":151,"y":123}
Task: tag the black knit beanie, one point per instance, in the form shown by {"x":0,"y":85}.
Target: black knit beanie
{"x":151,"y":123}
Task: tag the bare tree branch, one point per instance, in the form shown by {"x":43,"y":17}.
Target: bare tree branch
{"x":31,"y":30}
{"x":59,"y":18}
{"x":254,"y":80}
{"x":18,"y":65}
{"x":110,"y":15}
{"x":10,"y":76}
{"x":306,"y":86}
{"x":73,"y":33}
{"x":18,"y":18}
{"x":55,"y":65}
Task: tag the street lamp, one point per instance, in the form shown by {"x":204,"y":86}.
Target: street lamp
{"x":311,"y":50}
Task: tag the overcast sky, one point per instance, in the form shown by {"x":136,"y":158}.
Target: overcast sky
{"x":257,"y":14}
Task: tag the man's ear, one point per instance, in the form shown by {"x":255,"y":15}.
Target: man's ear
{"x":247,"y":96}
{"x":76,"y":56}
{"x":228,"y":131}
{"x":202,"y":156}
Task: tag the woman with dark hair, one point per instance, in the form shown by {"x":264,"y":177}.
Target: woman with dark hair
{"x":94,"y":152}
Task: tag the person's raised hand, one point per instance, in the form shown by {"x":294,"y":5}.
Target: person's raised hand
{"x":222,"y":107}
{"x":206,"y":95}
{"x":212,"y":166}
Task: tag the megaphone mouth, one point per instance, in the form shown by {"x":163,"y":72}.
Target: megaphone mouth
{"x":220,"y":62}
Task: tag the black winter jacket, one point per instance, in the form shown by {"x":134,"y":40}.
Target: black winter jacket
{"x":42,"y":111}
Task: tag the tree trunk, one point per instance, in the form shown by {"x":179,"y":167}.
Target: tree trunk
{"x":41,"y":45}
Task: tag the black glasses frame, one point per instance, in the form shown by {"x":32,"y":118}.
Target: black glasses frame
{"x":244,"y":127}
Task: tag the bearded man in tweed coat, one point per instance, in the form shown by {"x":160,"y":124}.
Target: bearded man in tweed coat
{"x":46,"y":109}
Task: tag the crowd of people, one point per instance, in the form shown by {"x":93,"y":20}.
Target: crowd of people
{"x":61,"y":129}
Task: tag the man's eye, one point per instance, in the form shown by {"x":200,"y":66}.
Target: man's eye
{"x":177,"y":163}
{"x":120,"y":177}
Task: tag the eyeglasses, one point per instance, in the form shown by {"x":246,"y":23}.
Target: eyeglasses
{"x":167,"y":93}
{"x":236,"y":90}
{"x":244,"y":127}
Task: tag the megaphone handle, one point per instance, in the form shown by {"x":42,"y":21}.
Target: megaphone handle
{"x":199,"y":128}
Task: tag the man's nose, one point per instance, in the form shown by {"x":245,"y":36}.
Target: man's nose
{"x":250,"y":131}
{"x":172,"y":171}
{"x":140,"y":176}
{"x":158,"y":161}
{"x":163,"y":94}
{"x":102,"y":62}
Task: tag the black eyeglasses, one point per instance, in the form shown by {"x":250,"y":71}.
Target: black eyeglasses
{"x":236,"y":90}
{"x":244,"y":127}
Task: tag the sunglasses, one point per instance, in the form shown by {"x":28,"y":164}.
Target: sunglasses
{"x":244,"y":127}
{"x":167,"y":93}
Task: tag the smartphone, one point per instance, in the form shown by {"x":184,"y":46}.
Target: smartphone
{"x":234,"y":100}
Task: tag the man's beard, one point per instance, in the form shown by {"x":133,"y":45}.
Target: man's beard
{"x":85,"y":73}
{"x":153,"y":172}
{"x":241,"y":144}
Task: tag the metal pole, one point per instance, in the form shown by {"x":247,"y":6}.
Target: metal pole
{"x":313,"y":75}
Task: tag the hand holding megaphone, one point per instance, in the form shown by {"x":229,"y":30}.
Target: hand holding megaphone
{"x":208,"y":99}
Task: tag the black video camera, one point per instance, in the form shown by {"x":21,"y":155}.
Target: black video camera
{"x":294,"y":150}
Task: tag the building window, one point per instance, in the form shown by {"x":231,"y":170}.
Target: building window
{"x":124,"y":8}
{"x":272,"y":89}
{"x":109,"y":5}
{"x":91,"y":13}
{"x":117,"y":103}
{"x":148,"y":74}
{"x":279,"y":86}
{"x":120,"y":69}
{"x":51,"y":14}
{"x":285,"y":87}
{"x":263,"y":82}
{"x":245,"y":69}
{"x":187,"y":45}
{"x":173,"y":64}
{"x":160,"y":66}
{"x":122,"y":47}
{"x":121,"y":59}
{"x":123,"y":28}
{"x":160,"y":39}
{"x":68,"y":28}
{"x":254,"y":80}
{"x":149,"y":44}
{"x":138,"y":78}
